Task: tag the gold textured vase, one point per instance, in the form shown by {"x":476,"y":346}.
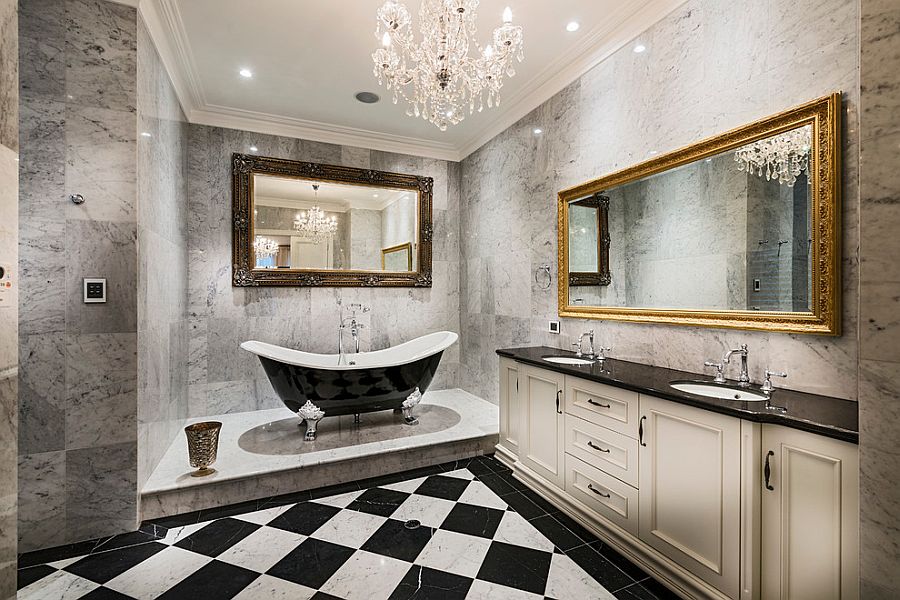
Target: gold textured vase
{"x":203,"y":442}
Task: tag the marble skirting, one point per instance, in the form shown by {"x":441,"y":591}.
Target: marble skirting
{"x":263,"y":454}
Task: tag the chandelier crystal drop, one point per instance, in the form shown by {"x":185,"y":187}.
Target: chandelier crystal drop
{"x":264,"y":247}
{"x":782,"y":157}
{"x":313,"y":224}
{"x":438,"y":77}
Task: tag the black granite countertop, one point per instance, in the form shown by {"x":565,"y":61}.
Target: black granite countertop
{"x":832,"y":417}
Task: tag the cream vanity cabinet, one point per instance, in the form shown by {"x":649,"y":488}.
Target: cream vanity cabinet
{"x":683,"y":490}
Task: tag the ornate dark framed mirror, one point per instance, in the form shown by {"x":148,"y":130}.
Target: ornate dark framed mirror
{"x":589,"y":241}
{"x":309,"y":224}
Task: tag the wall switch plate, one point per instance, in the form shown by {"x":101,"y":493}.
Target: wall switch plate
{"x":757,"y":285}
{"x":553,"y":327}
{"x":94,"y":290}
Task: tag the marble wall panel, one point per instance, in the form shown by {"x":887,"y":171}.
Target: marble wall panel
{"x":101,"y":491}
{"x":9,"y":75}
{"x":223,"y":377}
{"x":879,"y":368}
{"x":708,"y":67}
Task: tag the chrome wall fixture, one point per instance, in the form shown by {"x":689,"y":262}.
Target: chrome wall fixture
{"x":542,"y":277}
{"x":76,"y":198}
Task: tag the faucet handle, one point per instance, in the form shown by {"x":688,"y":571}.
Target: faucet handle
{"x":720,"y":370}
{"x":767,"y":384}
{"x":601,"y":353}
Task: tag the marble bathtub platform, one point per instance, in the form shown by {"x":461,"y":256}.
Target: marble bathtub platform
{"x":262,"y":453}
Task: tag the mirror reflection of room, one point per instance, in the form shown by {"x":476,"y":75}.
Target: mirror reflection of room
{"x":303,"y":224}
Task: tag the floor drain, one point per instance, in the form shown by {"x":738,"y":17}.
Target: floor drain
{"x":412,"y":524}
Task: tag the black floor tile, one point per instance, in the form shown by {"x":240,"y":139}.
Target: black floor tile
{"x":557,"y":533}
{"x":304,"y":518}
{"x":625,"y":565}
{"x":214,"y":580}
{"x":497,"y":484}
{"x":541,"y":502}
{"x":478,"y":467}
{"x":311,"y":563}
{"x":517,"y":567}
{"x":49,"y":555}
{"x":132,"y":538}
{"x":422,"y":583}
{"x":575,"y":527}
{"x":513,"y":482}
{"x":29,"y":575}
{"x":598,"y":567}
{"x":441,"y":486}
{"x":522,"y":505}
{"x":494,"y":464}
{"x":103,"y":566}
{"x":217,"y":537}
{"x":394,"y":539}
{"x":379,"y":501}
{"x":102,"y":593}
{"x":333,"y":490}
{"x":324,"y":596}
{"x":473,"y":520}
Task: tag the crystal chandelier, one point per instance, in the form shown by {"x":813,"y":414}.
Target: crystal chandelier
{"x":313,"y":224}
{"x":437,"y":77}
{"x":782,"y":157}
{"x":264,"y":247}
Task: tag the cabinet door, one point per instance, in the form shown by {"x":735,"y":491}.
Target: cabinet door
{"x":541,"y":433}
{"x":689,"y":497}
{"x":809,"y":516}
{"x":510,"y":410}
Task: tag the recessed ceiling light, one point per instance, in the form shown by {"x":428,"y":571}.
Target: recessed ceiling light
{"x":374,"y":195}
{"x":367,"y":97}
{"x":253,"y":149}
{"x":146,"y":134}
{"x":652,"y":152}
{"x":640,"y":48}
{"x":538,"y":131}
{"x":246,"y":73}
{"x":572,"y":26}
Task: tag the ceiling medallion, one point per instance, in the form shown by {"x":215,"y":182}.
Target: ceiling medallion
{"x":313,"y":224}
{"x":437,"y":77}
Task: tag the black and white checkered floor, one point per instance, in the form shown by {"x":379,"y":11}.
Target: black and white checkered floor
{"x":461,"y":530}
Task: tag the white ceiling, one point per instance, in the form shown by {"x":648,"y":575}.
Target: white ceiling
{"x":310,"y":57}
{"x":291,"y":192}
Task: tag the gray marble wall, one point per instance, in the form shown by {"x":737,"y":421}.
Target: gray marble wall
{"x":222,"y":377}
{"x":709,"y":66}
{"x":162,"y":259}
{"x":9,"y":310}
{"x":879,"y":338}
{"x":78,"y":362}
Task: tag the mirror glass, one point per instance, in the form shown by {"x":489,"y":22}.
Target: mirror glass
{"x":323,"y":225}
{"x":730,"y":231}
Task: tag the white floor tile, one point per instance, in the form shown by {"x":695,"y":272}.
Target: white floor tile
{"x":149,"y":579}
{"x":62,"y":564}
{"x":427,"y":510}
{"x":260,"y":550}
{"x":367,"y":576}
{"x":349,"y":528}
{"x":341,"y":500}
{"x":405,"y":486}
{"x":514,"y":529}
{"x":481,"y":495}
{"x":460,"y":474}
{"x":483,"y":590}
{"x":264,"y":516}
{"x":568,"y":580}
{"x":273,"y":588}
{"x":175,"y":535}
{"x":57,"y":586}
{"x":454,"y":552}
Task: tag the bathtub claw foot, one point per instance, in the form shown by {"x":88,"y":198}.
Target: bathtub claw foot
{"x":411,"y":401}
{"x":311,"y":414}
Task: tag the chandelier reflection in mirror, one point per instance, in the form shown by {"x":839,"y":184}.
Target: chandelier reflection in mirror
{"x":782,"y":157}
{"x":264,"y":247}
{"x":438,"y":77}
{"x":313,"y":224}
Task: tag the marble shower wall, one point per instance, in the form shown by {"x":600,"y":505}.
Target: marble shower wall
{"x":9,"y":310}
{"x":879,"y":338}
{"x":162,"y":259}
{"x":709,"y":66}
{"x":78,"y":362}
{"x":222,"y":377}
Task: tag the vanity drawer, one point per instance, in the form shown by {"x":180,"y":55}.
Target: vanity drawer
{"x":608,"y":450}
{"x":611,"y":407}
{"x":592,"y":486}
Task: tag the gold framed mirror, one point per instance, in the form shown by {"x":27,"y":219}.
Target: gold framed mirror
{"x":308,"y":224}
{"x":741,"y":230}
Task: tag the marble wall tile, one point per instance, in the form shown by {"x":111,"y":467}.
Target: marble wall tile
{"x":9,"y":75}
{"x":42,"y":393}
{"x":42,"y":500}
{"x":42,"y":52}
{"x":101,"y":491}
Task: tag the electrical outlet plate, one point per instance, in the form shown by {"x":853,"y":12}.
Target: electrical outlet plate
{"x":553,"y":327}
{"x":94,"y":290}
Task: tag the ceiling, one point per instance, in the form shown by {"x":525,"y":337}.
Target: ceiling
{"x":309,"y":58}
{"x":290,"y":192}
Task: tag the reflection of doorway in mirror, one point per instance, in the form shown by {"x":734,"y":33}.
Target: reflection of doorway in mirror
{"x":307,"y":254}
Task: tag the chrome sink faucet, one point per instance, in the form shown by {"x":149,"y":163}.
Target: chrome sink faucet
{"x":578,"y":345}
{"x":744,"y":380}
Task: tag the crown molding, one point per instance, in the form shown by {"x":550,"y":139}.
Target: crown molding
{"x":167,"y":31}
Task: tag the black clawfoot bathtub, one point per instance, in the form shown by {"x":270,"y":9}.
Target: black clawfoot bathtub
{"x":329,"y":385}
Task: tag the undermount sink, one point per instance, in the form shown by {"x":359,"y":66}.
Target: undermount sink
{"x":567,"y":360}
{"x":714,"y":390}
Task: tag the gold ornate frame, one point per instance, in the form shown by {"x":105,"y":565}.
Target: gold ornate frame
{"x":245,"y":166}
{"x":407,"y":246}
{"x":824,"y":115}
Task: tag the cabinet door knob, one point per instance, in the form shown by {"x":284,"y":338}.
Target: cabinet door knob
{"x":768,"y":470}
{"x":558,"y":392}
{"x":641,"y":431}
{"x":598,"y":448}
{"x":591,"y":401}
{"x":599,"y":493}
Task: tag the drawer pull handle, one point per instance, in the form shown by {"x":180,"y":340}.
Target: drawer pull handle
{"x":641,"y":431}
{"x":591,"y":401}
{"x":558,"y":392}
{"x":590,"y":487}
{"x":768,"y":470}
{"x":598,"y":448}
